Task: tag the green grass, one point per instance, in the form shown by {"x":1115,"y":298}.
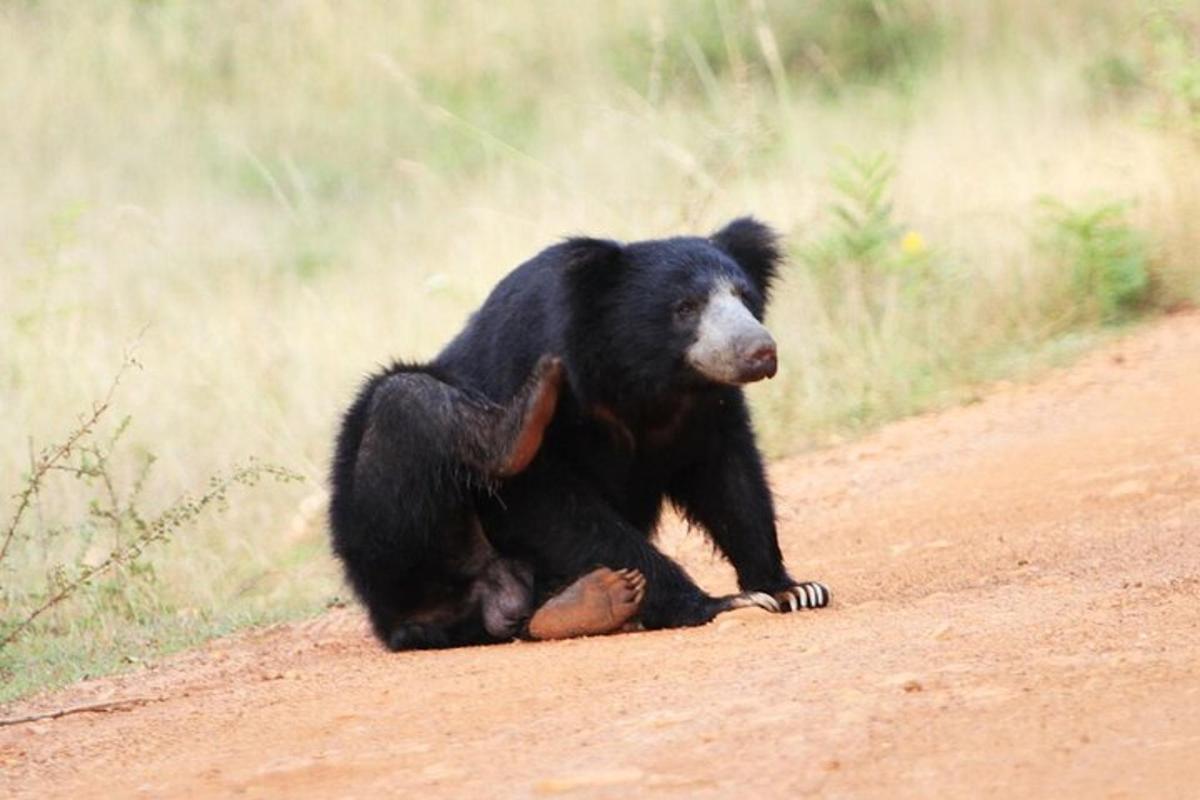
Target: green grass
{"x":274,"y":199}
{"x":90,"y":650}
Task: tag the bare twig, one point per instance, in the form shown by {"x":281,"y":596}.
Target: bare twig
{"x":132,"y":531}
{"x":51,"y":458}
{"x":124,"y":704}
{"x":183,"y":510}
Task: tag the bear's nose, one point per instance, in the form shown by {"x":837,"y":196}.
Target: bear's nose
{"x":763,"y":361}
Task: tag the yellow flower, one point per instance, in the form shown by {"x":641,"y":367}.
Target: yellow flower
{"x":912,"y":243}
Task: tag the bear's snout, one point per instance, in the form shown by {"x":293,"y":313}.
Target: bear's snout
{"x":762,"y":362}
{"x":731,"y":346}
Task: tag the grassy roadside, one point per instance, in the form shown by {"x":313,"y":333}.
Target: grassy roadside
{"x":272,"y":201}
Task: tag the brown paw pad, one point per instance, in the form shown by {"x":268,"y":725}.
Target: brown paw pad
{"x":602,"y":601}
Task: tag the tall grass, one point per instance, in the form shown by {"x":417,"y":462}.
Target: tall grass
{"x":284,"y":195}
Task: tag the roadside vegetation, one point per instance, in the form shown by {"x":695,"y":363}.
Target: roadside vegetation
{"x":271,"y":199}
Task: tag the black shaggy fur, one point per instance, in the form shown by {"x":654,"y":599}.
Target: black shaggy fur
{"x":421,"y":517}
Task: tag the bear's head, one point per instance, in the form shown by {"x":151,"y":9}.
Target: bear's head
{"x":652,"y":318}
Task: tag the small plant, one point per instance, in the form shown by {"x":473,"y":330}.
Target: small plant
{"x":1107,"y":259}
{"x":867,"y":254}
{"x":106,"y":549}
{"x":863,"y":211}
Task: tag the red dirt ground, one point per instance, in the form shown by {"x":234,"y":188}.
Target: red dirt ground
{"x":1016,"y":613}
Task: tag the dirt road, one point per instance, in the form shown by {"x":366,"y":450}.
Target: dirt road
{"x":1016,"y":613}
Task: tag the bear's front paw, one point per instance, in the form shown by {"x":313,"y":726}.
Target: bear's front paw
{"x":807,"y":594}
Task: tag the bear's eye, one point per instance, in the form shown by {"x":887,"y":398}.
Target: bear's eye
{"x":687,"y":308}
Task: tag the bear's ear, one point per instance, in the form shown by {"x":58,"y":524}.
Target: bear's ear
{"x":754,"y":246}
{"x":591,"y":266}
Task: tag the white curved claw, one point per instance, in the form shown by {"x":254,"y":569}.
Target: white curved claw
{"x":818,"y":595}
{"x":763,"y":600}
{"x":809,"y":594}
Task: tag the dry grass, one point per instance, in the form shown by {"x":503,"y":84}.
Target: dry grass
{"x":282,"y":196}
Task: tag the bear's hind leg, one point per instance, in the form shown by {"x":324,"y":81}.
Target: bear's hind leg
{"x":500,"y":440}
{"x":409,"y":467}
{"x":418,"y":409}
{"x":526,"y":417}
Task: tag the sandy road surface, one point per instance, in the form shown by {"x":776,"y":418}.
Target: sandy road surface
{"x":1017,"y":613}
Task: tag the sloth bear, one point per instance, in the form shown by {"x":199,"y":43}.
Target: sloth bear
{"x":535,"y":452}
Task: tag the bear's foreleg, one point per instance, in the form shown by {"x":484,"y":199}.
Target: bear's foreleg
{"x":725,"y":492}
